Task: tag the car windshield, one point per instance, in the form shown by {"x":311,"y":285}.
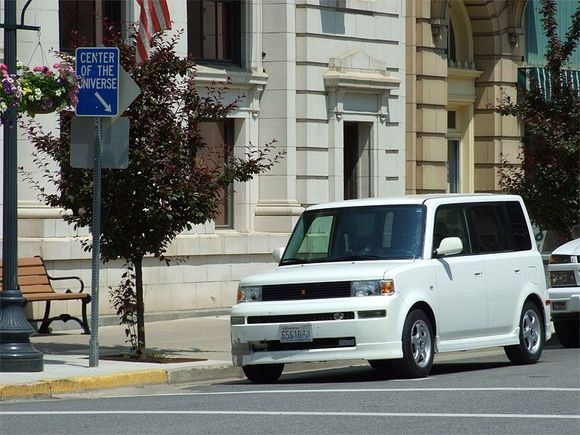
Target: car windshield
{"x":388,"y":232}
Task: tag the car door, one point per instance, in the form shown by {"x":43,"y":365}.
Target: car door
{"x":500,"y":236}
{"x":461,"y":289}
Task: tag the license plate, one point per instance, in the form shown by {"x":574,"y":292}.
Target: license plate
{"x":300,"y":333}
{"x":559,"y":305}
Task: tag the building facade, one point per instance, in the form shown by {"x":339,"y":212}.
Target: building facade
{"x":364,"y":97}
{"x":324,"y":78}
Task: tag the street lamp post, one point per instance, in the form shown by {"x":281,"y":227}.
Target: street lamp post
{"x":16,"y":352}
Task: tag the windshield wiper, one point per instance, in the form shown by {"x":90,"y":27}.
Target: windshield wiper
{"x":287,"y":261}
{"x":354,"y":258}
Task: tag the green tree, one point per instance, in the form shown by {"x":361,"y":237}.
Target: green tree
{"x":549,"y":176}
{"x":167,"y":187}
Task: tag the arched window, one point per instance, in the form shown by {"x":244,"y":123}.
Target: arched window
{"x":452,"y":45}
{"x":459,"y":37}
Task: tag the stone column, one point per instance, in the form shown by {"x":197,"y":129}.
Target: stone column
{"x":278,"y":209}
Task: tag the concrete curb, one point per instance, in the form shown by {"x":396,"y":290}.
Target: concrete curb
{"x":47,"y":388}
{"x":203,"y":373}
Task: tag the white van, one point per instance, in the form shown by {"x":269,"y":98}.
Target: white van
{"x":393,"y":281}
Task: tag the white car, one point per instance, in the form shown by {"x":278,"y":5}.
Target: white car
{"x":564,"y":271}
{"x":393,"y":281}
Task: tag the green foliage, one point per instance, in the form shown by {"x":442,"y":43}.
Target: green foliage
{"x":124,"y":302}
{"x":549,"y":176}
{"x":167,"y":188}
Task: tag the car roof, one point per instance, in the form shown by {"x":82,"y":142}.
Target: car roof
{"x":435,"y":198}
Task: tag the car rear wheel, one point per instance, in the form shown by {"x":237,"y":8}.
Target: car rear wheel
{"x":263,"y":373}
{"x":531,"y":343}
{"x":568,"y":332}
{"x":418,"y":346}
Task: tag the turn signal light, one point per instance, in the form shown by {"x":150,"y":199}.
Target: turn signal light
{"x":387,"y":287}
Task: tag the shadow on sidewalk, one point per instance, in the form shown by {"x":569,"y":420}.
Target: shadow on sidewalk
{"x":108,"y":351}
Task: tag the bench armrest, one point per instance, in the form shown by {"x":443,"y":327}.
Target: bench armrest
{"x":61,"y":278}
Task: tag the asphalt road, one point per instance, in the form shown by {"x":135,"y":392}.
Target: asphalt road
{"x":478,"y":393}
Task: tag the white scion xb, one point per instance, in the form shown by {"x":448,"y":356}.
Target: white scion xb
{"x":393,"y":281}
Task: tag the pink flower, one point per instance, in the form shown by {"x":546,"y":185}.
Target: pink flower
{"x":38,"y":69}
{"x":3,"y":67}
{"x":56,"y":65}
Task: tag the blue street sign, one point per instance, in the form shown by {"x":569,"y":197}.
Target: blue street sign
{"x":98,"y":69}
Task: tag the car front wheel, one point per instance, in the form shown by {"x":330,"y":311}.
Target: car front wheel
{"x":263,"y":373}
{"x":531,"y":343}
{"x":418,"y":346}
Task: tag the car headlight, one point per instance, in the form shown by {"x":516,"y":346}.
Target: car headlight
{"x":562,"y":278}
{"x":372,"y":288}
{"x":249,"y":294}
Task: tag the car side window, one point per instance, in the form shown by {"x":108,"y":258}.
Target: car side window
{"x":519,"y":227}
{"x":450,"y":221}
{"x":490,"y":228}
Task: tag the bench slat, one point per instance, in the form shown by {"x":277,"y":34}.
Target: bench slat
{"x":32,"y":261}
{"x":36,"y":289}
{"x":25,"y":281}
{"x":31,"y":270}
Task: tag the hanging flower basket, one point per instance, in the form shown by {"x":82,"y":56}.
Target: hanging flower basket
{"x":44,"y":105}
{"x":39,"y":90}
{"x":46,"y":91}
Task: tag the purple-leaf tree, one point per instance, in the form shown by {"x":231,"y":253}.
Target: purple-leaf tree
{"x":167,"y":187}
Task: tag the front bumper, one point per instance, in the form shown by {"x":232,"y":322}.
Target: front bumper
{"x":346,"y":339}
{"x":564,"y":301}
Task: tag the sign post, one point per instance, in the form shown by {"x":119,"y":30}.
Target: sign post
{"x":98,"y":69}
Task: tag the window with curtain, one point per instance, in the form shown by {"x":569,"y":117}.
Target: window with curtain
{"x":81,"y":22}
{"x":219,"y":139}
{"x":214,"y":30}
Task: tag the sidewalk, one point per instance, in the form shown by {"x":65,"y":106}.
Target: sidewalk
{"x":66,"y":358}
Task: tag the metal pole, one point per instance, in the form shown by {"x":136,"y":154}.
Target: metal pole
{"x":97,"y":163}
{"x":16,"y":352}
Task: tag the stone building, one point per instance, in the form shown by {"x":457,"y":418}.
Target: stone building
{"x":325,"y":78}
{"x":461,"y":56}
{"x":366,"y":98}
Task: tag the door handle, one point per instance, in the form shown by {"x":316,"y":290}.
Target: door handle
{"x":478,"y":273}
{"x":517,"y":270}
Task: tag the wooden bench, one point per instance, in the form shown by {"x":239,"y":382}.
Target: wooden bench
{"x":35,"y":285}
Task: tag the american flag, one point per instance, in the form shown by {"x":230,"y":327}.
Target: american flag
{"x":154,"y":17}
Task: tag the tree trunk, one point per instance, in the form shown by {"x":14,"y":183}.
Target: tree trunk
{"x":138,"y":262}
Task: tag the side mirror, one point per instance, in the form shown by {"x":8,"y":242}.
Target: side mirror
{"x":449,"y":246}
{"x":277,"y":254}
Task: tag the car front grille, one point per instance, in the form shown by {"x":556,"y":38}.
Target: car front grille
{"x":313,"y":290}
{"x":317,"y":343}
{"x":293,"y":318}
